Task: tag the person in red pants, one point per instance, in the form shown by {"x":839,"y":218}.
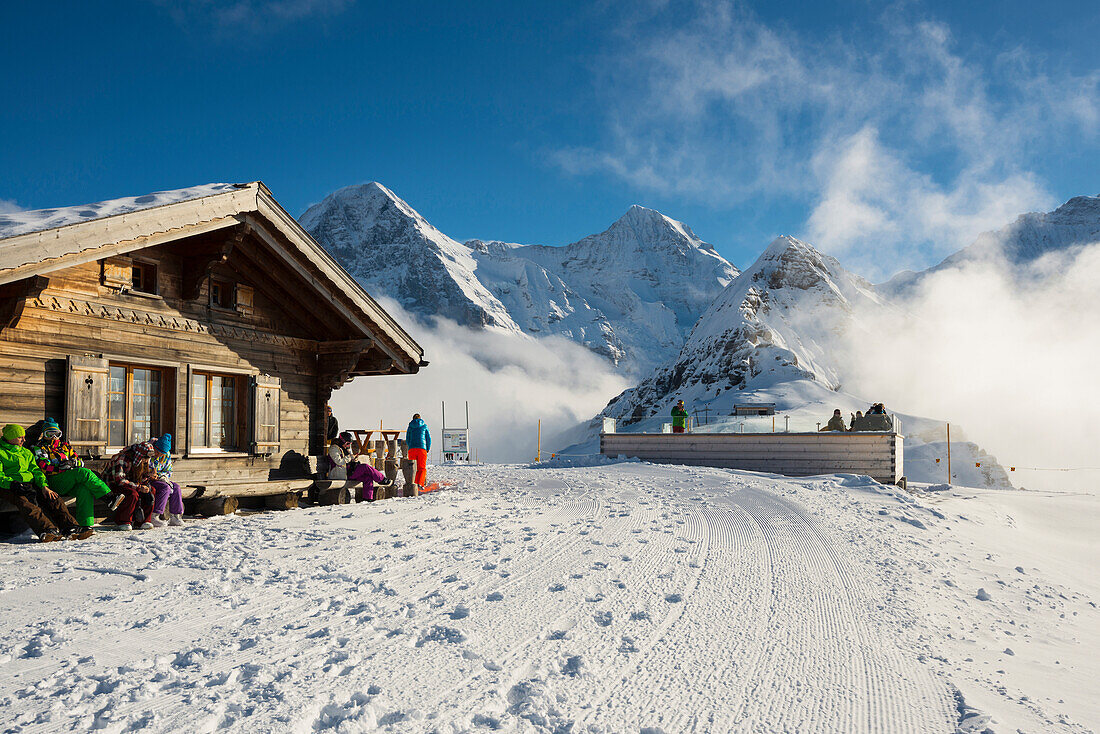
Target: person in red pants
{"x":419,"y":442}
{"x":130,"y":474}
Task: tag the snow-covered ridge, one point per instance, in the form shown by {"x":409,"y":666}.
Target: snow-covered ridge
{"x":630,"y":293}
{"x":35,"y":220}
{"x":1033,"y":235}
{"x":777,"y":322}
{"x":392,"y":250}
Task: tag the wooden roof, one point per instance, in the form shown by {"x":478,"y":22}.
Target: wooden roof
{"x":252,"y":205}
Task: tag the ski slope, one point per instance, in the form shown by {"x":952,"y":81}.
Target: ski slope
{"x":606,"y":598}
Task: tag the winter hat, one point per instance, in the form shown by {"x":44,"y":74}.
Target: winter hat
{"x":13,"y":431}
{"x":164,"y":444}
{"x":50,"y":425}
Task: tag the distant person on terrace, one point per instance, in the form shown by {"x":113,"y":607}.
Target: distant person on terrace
{"x":419,"y":442}
{"x":66,"y":473}
{"x":836,"y":423}
{"x":23,"y":485}
{"x":679,"y":417}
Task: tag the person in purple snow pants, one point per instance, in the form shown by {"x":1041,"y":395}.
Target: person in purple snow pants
{"x":344,"y":466}
{"x":167,"y":494}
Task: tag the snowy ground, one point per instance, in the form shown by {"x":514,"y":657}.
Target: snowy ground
{"x":618,"y":597}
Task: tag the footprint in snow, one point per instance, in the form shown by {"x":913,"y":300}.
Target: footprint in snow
{"x":557,"y":587}
{"x":461,"y":611}
{"x":603,"y":619}
{"x":673,"y":598}
{"x":495,"y":596}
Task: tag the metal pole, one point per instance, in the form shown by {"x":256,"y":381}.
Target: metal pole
{"x":538,"y":448}
{"x":786,"y":424}
{"x":442,"y":427}
{"x":949,"y":453}
{"x":467,"y":431}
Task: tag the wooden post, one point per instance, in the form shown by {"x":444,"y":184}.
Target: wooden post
{"x":949,"y":453}
{"x":335,"y":494}
{"x":288,"y":501}
{"x":216,"y":506}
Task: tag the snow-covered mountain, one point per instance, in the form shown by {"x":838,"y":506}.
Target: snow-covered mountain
{"x":779,"y":321}
{"x":1019,"y":244}
{"x":631,"y":293}
{"x":392,"y":250}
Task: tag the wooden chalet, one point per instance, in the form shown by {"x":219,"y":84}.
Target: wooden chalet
{"x":216,"y":318}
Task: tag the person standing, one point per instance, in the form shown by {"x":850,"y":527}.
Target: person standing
{"x":167,"y":494}
{"x":130,"y":474}
{"x":23,"y":485}
{"x":419,"y":442}
{"x":332,"y":426}
{"x":66,"y":473}
{"x":679,"y":417}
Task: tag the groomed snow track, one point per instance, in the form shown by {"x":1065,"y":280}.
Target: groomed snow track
{"x":614,"y":598}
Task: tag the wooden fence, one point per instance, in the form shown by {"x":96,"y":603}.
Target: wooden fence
{"x":878,"y":455}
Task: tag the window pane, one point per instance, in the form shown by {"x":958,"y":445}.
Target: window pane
{"x":229,"y":413}
{"x":118,"y":379}
{"x":198,"y":410}
{"x":115,"y":434}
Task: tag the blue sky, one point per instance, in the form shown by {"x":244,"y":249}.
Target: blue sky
{"x":887,"y":135}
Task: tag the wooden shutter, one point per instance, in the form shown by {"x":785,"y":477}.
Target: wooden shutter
{"x":118,"y":272}
{"x":86,"y":404}
{"x":265,"y":414}
{"x":245,"y":299}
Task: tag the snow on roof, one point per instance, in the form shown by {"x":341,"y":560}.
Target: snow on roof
{"x":36,"y":220}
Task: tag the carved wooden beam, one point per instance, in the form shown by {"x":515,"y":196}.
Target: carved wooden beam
{"x":14,"y":297}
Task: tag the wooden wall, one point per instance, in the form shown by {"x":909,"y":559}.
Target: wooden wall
{"x":878,"y":455}
{"x":77,"y":315}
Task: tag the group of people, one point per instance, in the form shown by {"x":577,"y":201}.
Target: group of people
{"x":343,"y":464}
{"x":35,"y":479}
{"x":836,"y":423}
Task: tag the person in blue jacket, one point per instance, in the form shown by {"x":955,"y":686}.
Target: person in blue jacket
{"x":419,"y":442}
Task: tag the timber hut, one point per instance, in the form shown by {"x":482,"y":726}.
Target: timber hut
{"x":208,"y":313}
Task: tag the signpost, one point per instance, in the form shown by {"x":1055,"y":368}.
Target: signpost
{"x":456,"y":441}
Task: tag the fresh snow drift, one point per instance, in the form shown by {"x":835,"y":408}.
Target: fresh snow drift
{"x":617,"y":597}
{"x":630,"y":293}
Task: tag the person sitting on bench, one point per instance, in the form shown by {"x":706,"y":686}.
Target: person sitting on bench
{"x":167,"y":494}
{"x":836,"y":423}
{"x":340,"y":458}
{"x":23,"y":485}
{"x":130,"y":475}
{"x":66,"y":473}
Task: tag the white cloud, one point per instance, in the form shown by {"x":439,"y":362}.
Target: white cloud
{"x":880,"y":215}
{"x":7,"y":206}
{"x":993,"y":349}
{"x":510,"y":382}
{"x":902,"y":134}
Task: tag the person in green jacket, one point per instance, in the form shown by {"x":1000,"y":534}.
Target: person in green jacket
{"x":66,"y":473}
{"x":23,"y":485}
{"x":679,"y":417}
